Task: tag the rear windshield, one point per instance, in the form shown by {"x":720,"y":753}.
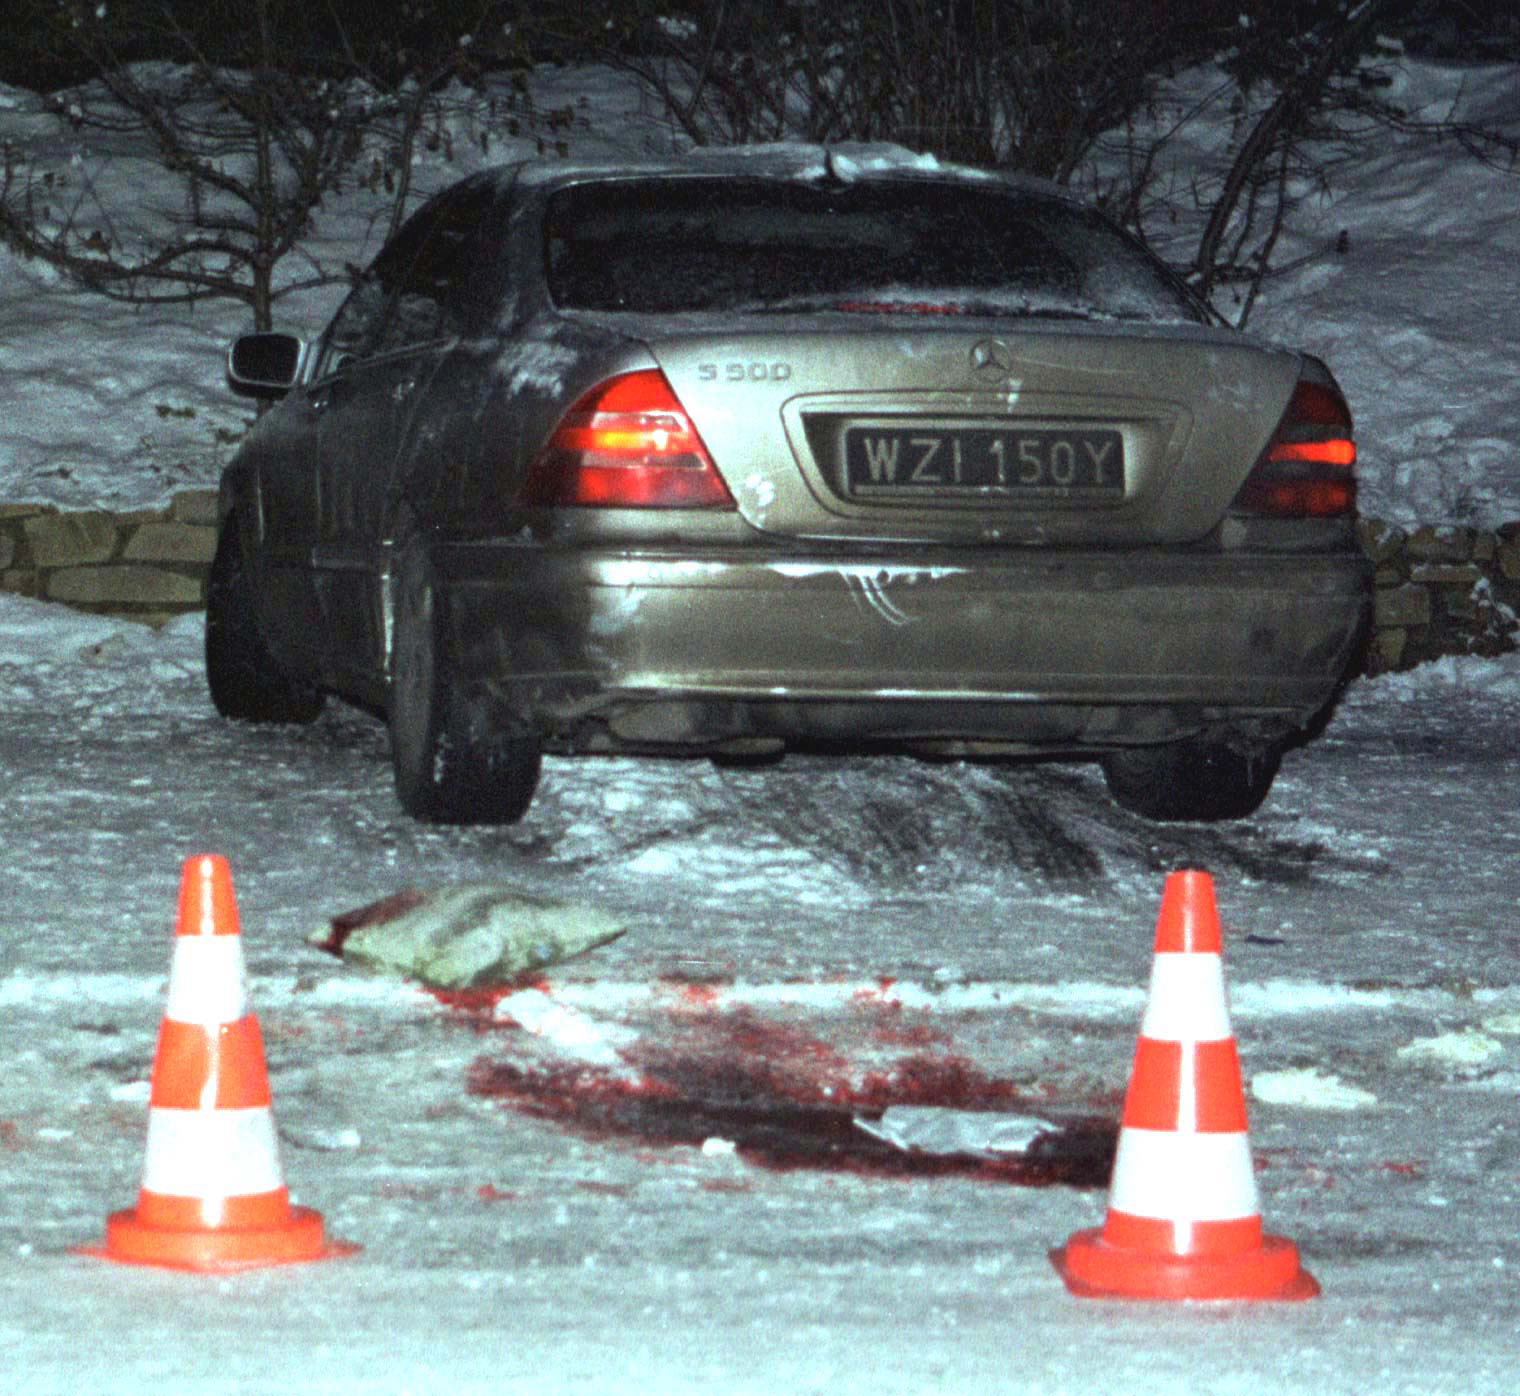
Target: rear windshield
{"x":678,"y":245}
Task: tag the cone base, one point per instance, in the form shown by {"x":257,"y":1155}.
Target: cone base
{"x":298,"y":1239}
{"x":1094,"y":1269}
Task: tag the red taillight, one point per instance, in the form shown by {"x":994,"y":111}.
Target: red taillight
{"x":1306,"y":470}
{"x":627,"y":444}
{"x":1316,"y":452}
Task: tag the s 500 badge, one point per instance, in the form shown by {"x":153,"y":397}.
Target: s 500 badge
{"x":740,"y":371}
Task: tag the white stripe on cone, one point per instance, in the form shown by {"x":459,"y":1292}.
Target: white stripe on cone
{"x":208,"y":982}
{"x":237,"y":1148}
{"x":1183,"y":1177}
{"x":1186,"y":999}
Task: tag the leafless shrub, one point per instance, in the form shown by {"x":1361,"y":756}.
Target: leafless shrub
{"x":1309,"y":90}
{"x":254,"y":149}
{"x":1016,"y":85}
{"x":1054,"y":88}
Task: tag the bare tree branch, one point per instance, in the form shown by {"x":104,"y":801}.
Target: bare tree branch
{"x":254,"y":150}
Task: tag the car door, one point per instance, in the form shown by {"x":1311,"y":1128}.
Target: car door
{"x":279,"y":458}
{"x":287,"y":465}
{"x":375,"y":400}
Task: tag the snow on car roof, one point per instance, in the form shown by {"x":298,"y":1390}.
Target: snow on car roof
{"x":846,"y":161}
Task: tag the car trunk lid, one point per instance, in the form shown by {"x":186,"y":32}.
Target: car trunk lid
{"x":998,"y":432}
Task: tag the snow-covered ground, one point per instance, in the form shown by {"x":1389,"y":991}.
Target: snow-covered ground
{"x":656,"y":1186}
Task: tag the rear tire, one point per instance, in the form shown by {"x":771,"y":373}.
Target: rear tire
{"x":246,"y":682}
{"x":1191,"y":780}
{"x":454,"y":762}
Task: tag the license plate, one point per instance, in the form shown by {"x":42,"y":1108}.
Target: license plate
{"x":983,"y":462}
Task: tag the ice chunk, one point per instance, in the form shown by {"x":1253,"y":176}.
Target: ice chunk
{"x":1309,"y":1089}
{"x":931,"y":1129}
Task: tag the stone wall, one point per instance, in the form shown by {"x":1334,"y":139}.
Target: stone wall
{"x":1440,"y":589}
{"x":148,"y":566}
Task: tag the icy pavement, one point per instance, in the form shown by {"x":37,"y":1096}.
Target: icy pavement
{"x":641,"y":1171}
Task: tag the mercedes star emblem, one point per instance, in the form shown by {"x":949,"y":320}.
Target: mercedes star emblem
{"x":991,"y":360}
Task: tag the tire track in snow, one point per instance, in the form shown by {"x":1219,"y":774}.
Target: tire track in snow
{"x":896,"y":823}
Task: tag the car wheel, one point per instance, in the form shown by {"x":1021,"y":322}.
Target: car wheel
{"x":1191,"y":780}
{"x":454,"y":760}
{"x":246,"y":683}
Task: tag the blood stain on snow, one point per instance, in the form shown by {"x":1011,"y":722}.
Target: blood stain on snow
{"x":373,"y":914}
{"x":917,"y":1035}
{"x":893,"y":1025}
{"x":479,"y":1005}
{"x":789,"y":1101}
{"x":489,"y":1192}
{"x":701,"y":993}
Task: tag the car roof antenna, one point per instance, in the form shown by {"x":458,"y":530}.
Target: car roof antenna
{"x":831,"y":176}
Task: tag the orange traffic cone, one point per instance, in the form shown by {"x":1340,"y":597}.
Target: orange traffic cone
{"x":1184,"y":1220}
{"x":213,"y":1197}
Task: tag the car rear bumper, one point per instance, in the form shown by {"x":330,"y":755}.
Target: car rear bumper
{"x":604,"y":648}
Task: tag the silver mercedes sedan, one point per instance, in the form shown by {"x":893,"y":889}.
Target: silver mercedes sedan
{"x":794,"y":449}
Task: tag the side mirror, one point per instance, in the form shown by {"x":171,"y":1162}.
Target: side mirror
{"x":265,"y":365}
